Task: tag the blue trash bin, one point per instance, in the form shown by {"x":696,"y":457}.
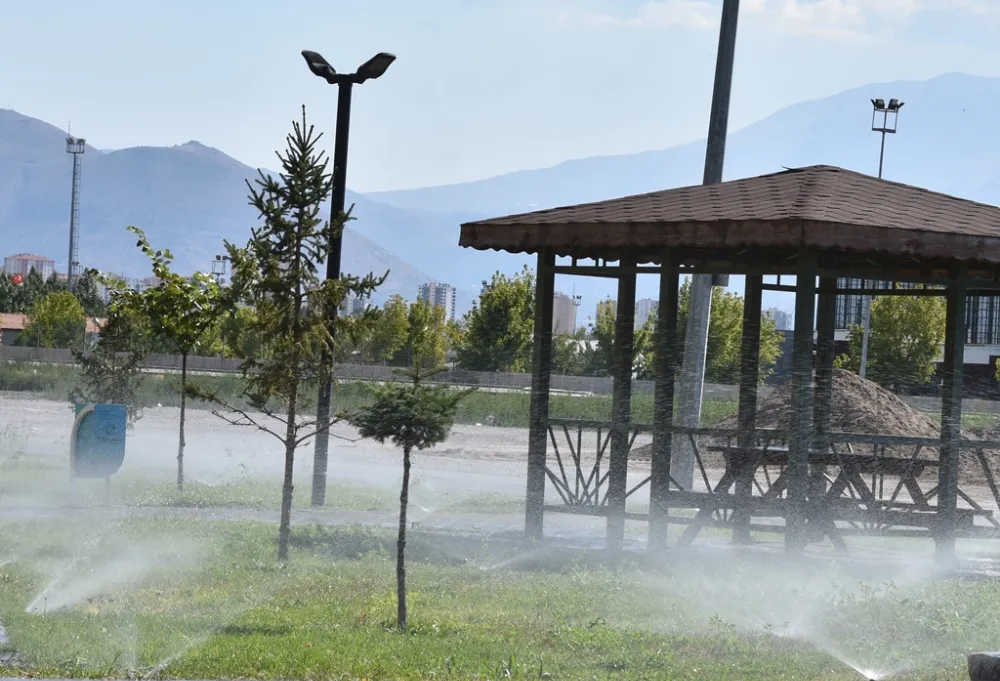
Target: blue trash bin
{"x":97,"y":442}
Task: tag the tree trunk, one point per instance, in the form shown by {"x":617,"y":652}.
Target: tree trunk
{"x":180,"y":439}
{"x":285,"y":527}
{"x":404,"y":497}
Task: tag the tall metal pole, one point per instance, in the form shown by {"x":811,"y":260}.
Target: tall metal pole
{"x":866,"y":318}
{"x":321,"y":453}
{"x":75,"y":146}
{"x":692,"y":377}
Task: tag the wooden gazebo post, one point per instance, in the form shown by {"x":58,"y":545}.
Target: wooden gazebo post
{"x":621,"y":402}
{"x":951,"y":416}
{"x":802,"y":401}
{"x":747,"y":419}
{"x":541,"y":370}
{"x":665,"y":372}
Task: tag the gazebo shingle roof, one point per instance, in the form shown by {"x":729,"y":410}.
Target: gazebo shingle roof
{"x":818,"y":206}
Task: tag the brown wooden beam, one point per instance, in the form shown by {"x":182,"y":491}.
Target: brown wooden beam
{"x":541,"y":371}
{"x":621,"y":407}
{"x":802,"y":402}
{"x":747,"y":414}
{"x":666,"y":360}
{"x":951,"y":416}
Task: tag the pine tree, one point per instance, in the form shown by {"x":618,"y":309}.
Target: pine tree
{"x":277,"y":274}
{"x":413,"y":416}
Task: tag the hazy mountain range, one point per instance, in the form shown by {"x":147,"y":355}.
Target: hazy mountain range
{"x":190,"y":197}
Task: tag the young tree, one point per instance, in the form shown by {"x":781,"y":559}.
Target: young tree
{"x":904,"y":340}
{"x":725,"y":336}
{"x":31,"y":291}
{"x":112,"y":371}
{"x":603,"y":331}
{"x":390,"y":332}
{"x":88,"y":295}
{"x":413,"y":416}
{"x":500,"y":326}
{"x":426,"y":341}
{"x":56,"y":321}
{"x":277,"y":273}
{"x":10,"y":295}
{"x":239,"y":336}
{"x":572,"y":354}
{"x":55,"y":285}
{"x":180,"y":309}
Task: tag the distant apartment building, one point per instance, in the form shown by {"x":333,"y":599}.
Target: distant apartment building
{"x":644,"y":309}
{"x":148,"y":282}
{"x":352,"y":306}
{"x":23,"y":263}
{"x":563,"y":313}
{"x":441,"y":295}
{"x":782,"y":318}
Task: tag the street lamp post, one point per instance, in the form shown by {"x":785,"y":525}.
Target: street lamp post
{"x":219,"y":272}
{"x":370,"y":70}
{"x":878,"y":107}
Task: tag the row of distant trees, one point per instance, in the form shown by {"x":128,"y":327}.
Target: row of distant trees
{"x":496,"y":334}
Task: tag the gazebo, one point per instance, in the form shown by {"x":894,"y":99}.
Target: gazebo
{"x":818,"y":224}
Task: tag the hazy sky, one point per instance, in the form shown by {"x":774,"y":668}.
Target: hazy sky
{"x":480,"y":87}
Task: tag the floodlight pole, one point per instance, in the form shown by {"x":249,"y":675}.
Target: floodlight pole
{"x":322,"y":448}
{"x":692,"y":375}
{"x":75,"y":146}
{"x":878,"y":107}
{"x":370,"y":70}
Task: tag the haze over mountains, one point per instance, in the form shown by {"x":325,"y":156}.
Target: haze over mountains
{"x":947,"y":141}
{"x":190,"y":197}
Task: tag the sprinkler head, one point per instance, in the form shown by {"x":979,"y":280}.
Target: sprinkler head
{"x":984,"y":667}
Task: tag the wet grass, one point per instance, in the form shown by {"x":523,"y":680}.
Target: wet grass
{"x":234,"y":612}
{"x":504,"y":409}
{"x":46,"y":481}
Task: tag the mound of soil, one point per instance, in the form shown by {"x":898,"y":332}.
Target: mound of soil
{"x":857,"y":406}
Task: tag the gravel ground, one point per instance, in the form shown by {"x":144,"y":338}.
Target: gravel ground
{"x":476,"y":460}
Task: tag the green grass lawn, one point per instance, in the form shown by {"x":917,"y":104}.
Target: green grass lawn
{"x":508,"y":409}
{"x":208,"y":600}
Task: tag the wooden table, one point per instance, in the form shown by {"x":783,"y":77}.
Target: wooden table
{"x":847,"y":497}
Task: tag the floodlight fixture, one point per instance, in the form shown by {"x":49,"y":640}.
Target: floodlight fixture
{"x":318,"y":65}
{"x":376,"y":66}
{"x":370,"y":70}
{"x":887,"y":126}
